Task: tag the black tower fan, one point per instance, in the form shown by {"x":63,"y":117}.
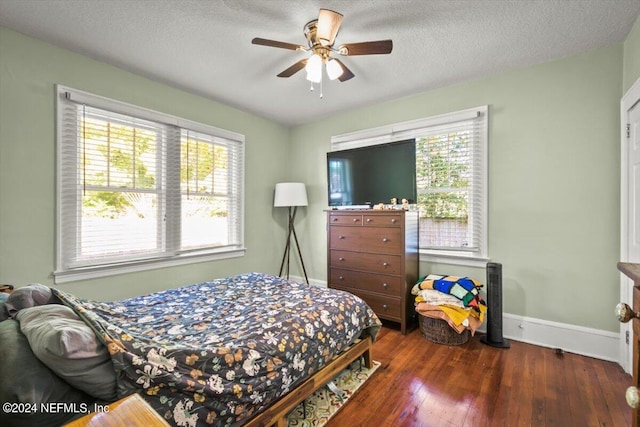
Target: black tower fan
{"x":494,"y":336}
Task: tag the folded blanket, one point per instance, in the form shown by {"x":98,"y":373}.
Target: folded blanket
{"x":463,"y":288}
{"x":458,"y":318}
{"x":435,"y":312}
{"x":433,"y":297}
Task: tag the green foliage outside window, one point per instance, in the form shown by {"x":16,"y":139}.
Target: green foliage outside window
{"x":115,"y":157}
{"x":443,"y":175}
{"x":203,"y":174}
{"x":119,"y":166}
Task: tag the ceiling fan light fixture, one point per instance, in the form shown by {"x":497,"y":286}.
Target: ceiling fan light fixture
{"x":321,"y":34}
{"x":334,"y":69}
{"x":314,"y":68}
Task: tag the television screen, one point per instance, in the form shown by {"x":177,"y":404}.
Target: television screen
{"x":373,"y":174}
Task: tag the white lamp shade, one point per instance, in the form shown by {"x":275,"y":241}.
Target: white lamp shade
{"x":290,"y":194}
{"x":334,"y":69}
{"x":314,"y":69}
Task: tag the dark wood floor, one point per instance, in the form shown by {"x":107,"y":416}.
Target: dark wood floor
{"x":425,"y":384}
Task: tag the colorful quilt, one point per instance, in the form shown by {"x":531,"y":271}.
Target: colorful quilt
{"x":463,"y":288}
{"x":217,"y":353}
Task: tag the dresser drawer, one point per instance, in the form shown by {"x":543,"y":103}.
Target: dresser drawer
{"x":387,"y":285}
{"x":384,"y":306}
{"x":380,"y":240}
{"x":345,"y":219}
{"x":375,"y":263}
{"x":390,"y":220}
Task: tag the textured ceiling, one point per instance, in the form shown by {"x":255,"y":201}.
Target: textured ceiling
{"x":204,"y":46}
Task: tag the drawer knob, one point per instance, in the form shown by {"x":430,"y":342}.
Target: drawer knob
{"x":385,"y":306}
{"x":341,"y":237}
{"x":335,"y":218}
{"x":393,"y":220}
{"x":368,"y":219}
{"x":340,"y":259}
{"x":340,"y":278}
{"x":633,"y":397}
{"x":386,"y":264}
{"x":355,"y":219}
{"x":384,"y":285}
{"x":385,"y":240}
{"x":624,"y":313}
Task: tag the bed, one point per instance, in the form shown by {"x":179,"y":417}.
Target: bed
{"x":234,"y":351}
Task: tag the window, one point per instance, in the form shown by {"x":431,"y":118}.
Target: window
{"x":451,"y":180}
{"x":451,"y":183}
{"x":137,"y":188}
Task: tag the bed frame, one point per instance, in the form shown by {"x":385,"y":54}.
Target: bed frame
{"x":276,"y":414}
{"x":134,"y":407}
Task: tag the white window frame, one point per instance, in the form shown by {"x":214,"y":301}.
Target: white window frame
{"x":417,"y":128}
{"x":65,"y":272}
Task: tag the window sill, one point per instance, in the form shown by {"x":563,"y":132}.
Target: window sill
{"x":466,"y":259}
{"x":136,"y":266}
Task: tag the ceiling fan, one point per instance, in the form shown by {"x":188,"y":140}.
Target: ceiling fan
{"x":321,"y":34}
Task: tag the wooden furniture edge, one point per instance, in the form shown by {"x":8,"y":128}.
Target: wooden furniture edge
{"x":277,"y":413}
{"x":631,"y":270}
{"x":129,"y":410}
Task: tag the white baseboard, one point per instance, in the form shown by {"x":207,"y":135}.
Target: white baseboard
{"x":570,"y":338}
{"x":588,"y":342}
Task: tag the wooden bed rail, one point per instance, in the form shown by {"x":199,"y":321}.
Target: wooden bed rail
{"x":276,"y":415}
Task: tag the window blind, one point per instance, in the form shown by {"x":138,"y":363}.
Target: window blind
{"x":400,"y":131}
{"x":451,"y":182}
{"x":212,"y":171}
{"x":112,"y":186}
{"x":133,"y":185}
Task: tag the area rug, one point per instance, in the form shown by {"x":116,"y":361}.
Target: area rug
{"x":324,"y":403}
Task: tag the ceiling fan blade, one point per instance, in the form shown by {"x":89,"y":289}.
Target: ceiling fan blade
{"x":274,"y":43}
{"x":347,"y":74}
{"x":328,"y":26}
{"x":380,"y":47}
{"x":294,"y":68}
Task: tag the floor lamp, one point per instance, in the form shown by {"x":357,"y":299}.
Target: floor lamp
{"x":291,"y":195}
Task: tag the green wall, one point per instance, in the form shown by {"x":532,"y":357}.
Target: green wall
{"x":554,"y":156}
{"x":631,"y":70}
{"x":29,"y":69}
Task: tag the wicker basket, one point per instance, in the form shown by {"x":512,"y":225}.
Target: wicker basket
{"x":439,"y":332}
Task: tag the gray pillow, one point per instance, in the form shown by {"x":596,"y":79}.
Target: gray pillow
{"x":29,"y":296}
{"x":24,"y":379}
{"x":4,"y":315}
{"x":70,"y":348}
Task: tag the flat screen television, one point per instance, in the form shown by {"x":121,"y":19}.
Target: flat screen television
{"x":372,"y":175}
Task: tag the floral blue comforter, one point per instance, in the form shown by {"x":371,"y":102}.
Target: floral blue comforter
{"x":218,"y":353}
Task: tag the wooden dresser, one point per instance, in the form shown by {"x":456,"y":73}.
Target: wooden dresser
{"x":374,"y":254}
{"x":633,"y":272}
